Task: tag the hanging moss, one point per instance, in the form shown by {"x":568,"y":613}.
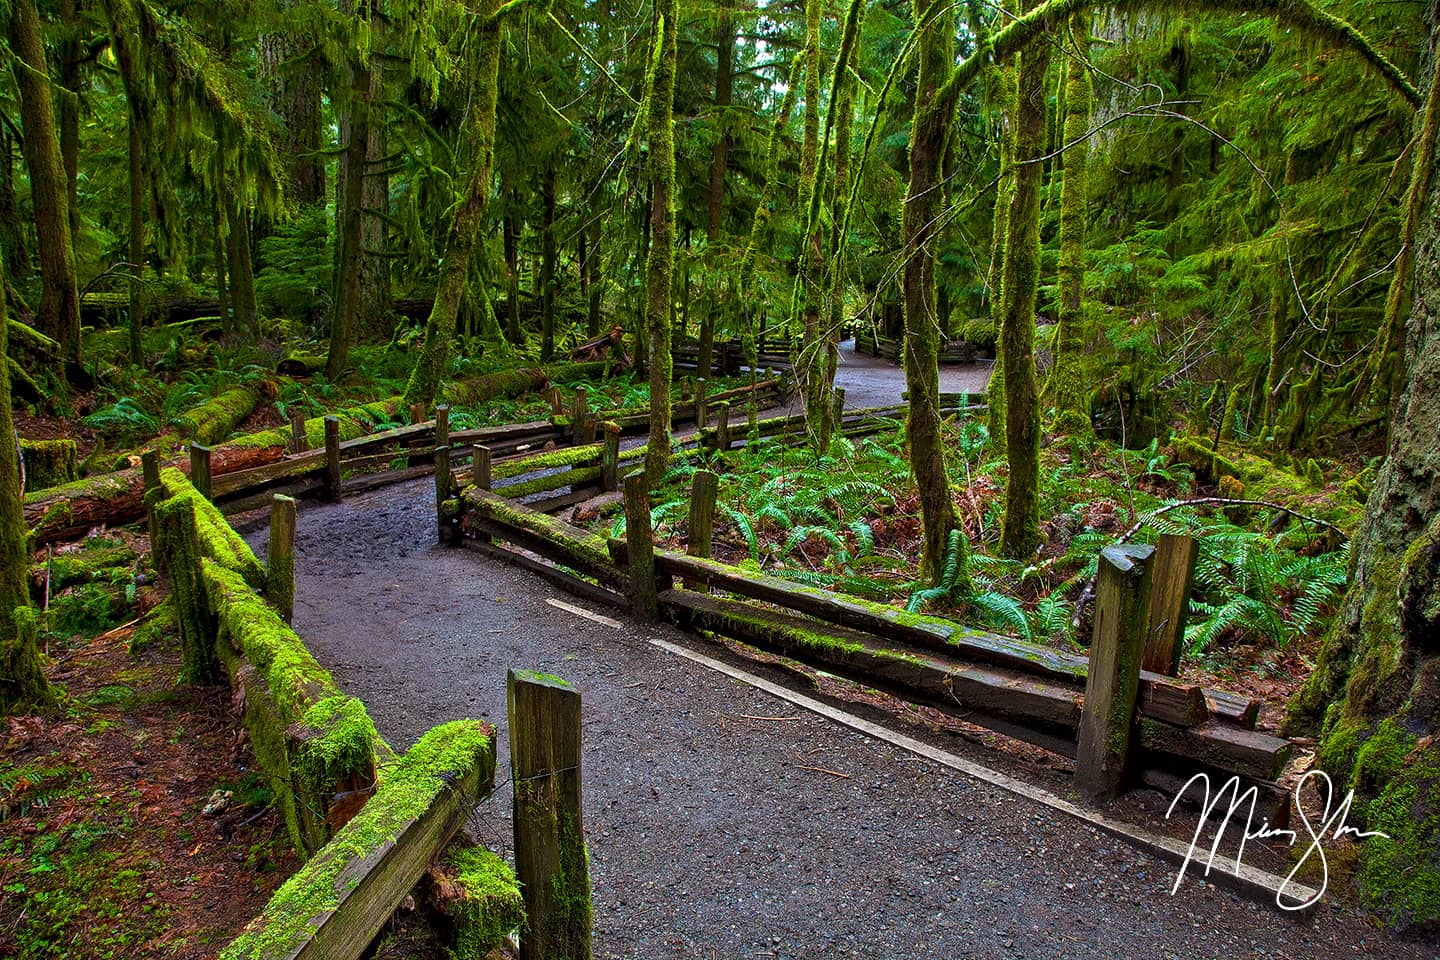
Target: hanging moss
{"x":48,"y":463}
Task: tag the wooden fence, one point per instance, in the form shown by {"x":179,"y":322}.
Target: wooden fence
{"x":1119,"y":713}
{"x":372,"y":825}
{"x":951,"y":351}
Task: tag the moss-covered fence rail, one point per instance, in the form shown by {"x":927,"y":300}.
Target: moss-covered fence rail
{"x":1024,"y":690}
{"x":373,"y":826}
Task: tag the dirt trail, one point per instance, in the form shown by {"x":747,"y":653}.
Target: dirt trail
{"x":707,"y":837}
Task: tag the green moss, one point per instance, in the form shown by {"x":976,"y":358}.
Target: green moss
{"x":549,"y":459}
{"x":589,"y":549}
{"x":1400,"y":873}
{"x":48,"y":463}
{"x":217,"y":540}
{"x":111,"y":564}
{"x":492,"y":906}
{"x":574,"y":477}
{"x":213,"y":420}
{"x":160,"y":625}
{"x":463,"y":750}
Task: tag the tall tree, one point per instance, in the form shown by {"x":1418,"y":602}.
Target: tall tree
{"x":726,"y":31}
{"x":22,"y":681}
{"x":1020,"y":529}
{"x":1067,"y":385}
{"x":350,"y":198}
{"x":934,"y":110}
{"x":660,"y":260}
{"x":479,"y":153}
{"x":1374,"y":697}
{"x":59,"y":311}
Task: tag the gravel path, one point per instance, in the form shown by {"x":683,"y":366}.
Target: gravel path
{"x":707,"y":837}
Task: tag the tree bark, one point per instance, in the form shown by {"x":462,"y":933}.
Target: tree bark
{"x":349,"y":219}
{"x":68,"y":107}
{"x":59,"y":313}
{"x":547,"y":263}
{"x":1020,"y":529}
{"x":434,"y":356}
{"x":725,"y":34}
{"x":1066,"y":376}
{"x":22,"y":681}
{"x":660,"y":259}
{"x":1374,"y":696}
{"x":933,"y":113}
{"x":512,"y":281}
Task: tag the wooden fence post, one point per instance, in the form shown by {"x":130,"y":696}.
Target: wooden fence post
{"x":299,"y":439}
{"x":417,"y":413}
{"x":553,"y":394}
{"x":200,"y":468}
{"x":1122,"y":602}
{"x":280,"y":557}
{"x":550,"y":859}
{"x":700,"y":526}
{"x":640,"y":540}
{"x":332,"y":458}
{"x":150,"y":470}
{"x":579,"y":410}
{"x":442,"y":425}
{"x":610,"y":458}
{"x":702,"y":412}
{"x":480,"y":467}
{"x":442,"y":490}
{"x":1173,"y":577}
{"x":722,"y":426}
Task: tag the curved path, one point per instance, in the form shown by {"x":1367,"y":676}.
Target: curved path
{"x":708,"y":837}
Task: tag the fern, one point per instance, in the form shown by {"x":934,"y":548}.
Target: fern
{"x":746,"y":528}
{"x":1001,"y":609}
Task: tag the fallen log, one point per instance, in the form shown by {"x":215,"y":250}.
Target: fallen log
{"x":214,"y":420}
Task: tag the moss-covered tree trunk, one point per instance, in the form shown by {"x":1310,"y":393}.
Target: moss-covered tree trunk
{"x":1374,"y":697}
{"x":434,"y":356}
{"x":810,"y":360}
{"x":1020,"y":528}
{"x":842,"y":109}
{"x":934,"y":53}
{"x":59,"y":312}
{"x":660,"y":261}
{"x":547,"y":262}
{"x":511,"y":241}
{"x":22,"y":681}
{"x":726,"y":31}
{"x":1067,"y":378}
{"x":350,"y":216}
{"x":1002,"y":83}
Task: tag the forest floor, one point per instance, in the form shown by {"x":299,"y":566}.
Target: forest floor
{"x":104,"y":849}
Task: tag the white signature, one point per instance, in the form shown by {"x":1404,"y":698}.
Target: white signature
{"x":1331,"y":825}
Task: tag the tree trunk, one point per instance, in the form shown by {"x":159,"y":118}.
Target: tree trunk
{"x":68,"y":107}
{"x":1067,"y":379}
{"x":1020,"y":529}
{"x":349,"y":217}
{"x":294,"y":78}
{"x":377,"y":301}
{"x":222,"y":289}
{"x":22,"y":681}
{"x":725,"y":34}
{"x":592,"y":261}
{"x":660,"y":260}
{"x":138,"y":183}
{"x":1375,"y":694}
{"x":810,"y":361}
{"x":1002,"y":80}
{"x":479,"y":134}
{"x":12,"y":231}
{"x":934,"y":54}
{"x":512,"y":281}
{"x":59,"y":312}
{"x":547,"y":263}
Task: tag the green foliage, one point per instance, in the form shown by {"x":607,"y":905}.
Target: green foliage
{"x":295,"y":281}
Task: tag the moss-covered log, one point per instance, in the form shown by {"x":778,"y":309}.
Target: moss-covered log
{"x":475,"y":891}
{"x":336,"y":903}
{"x":213,"y":421}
